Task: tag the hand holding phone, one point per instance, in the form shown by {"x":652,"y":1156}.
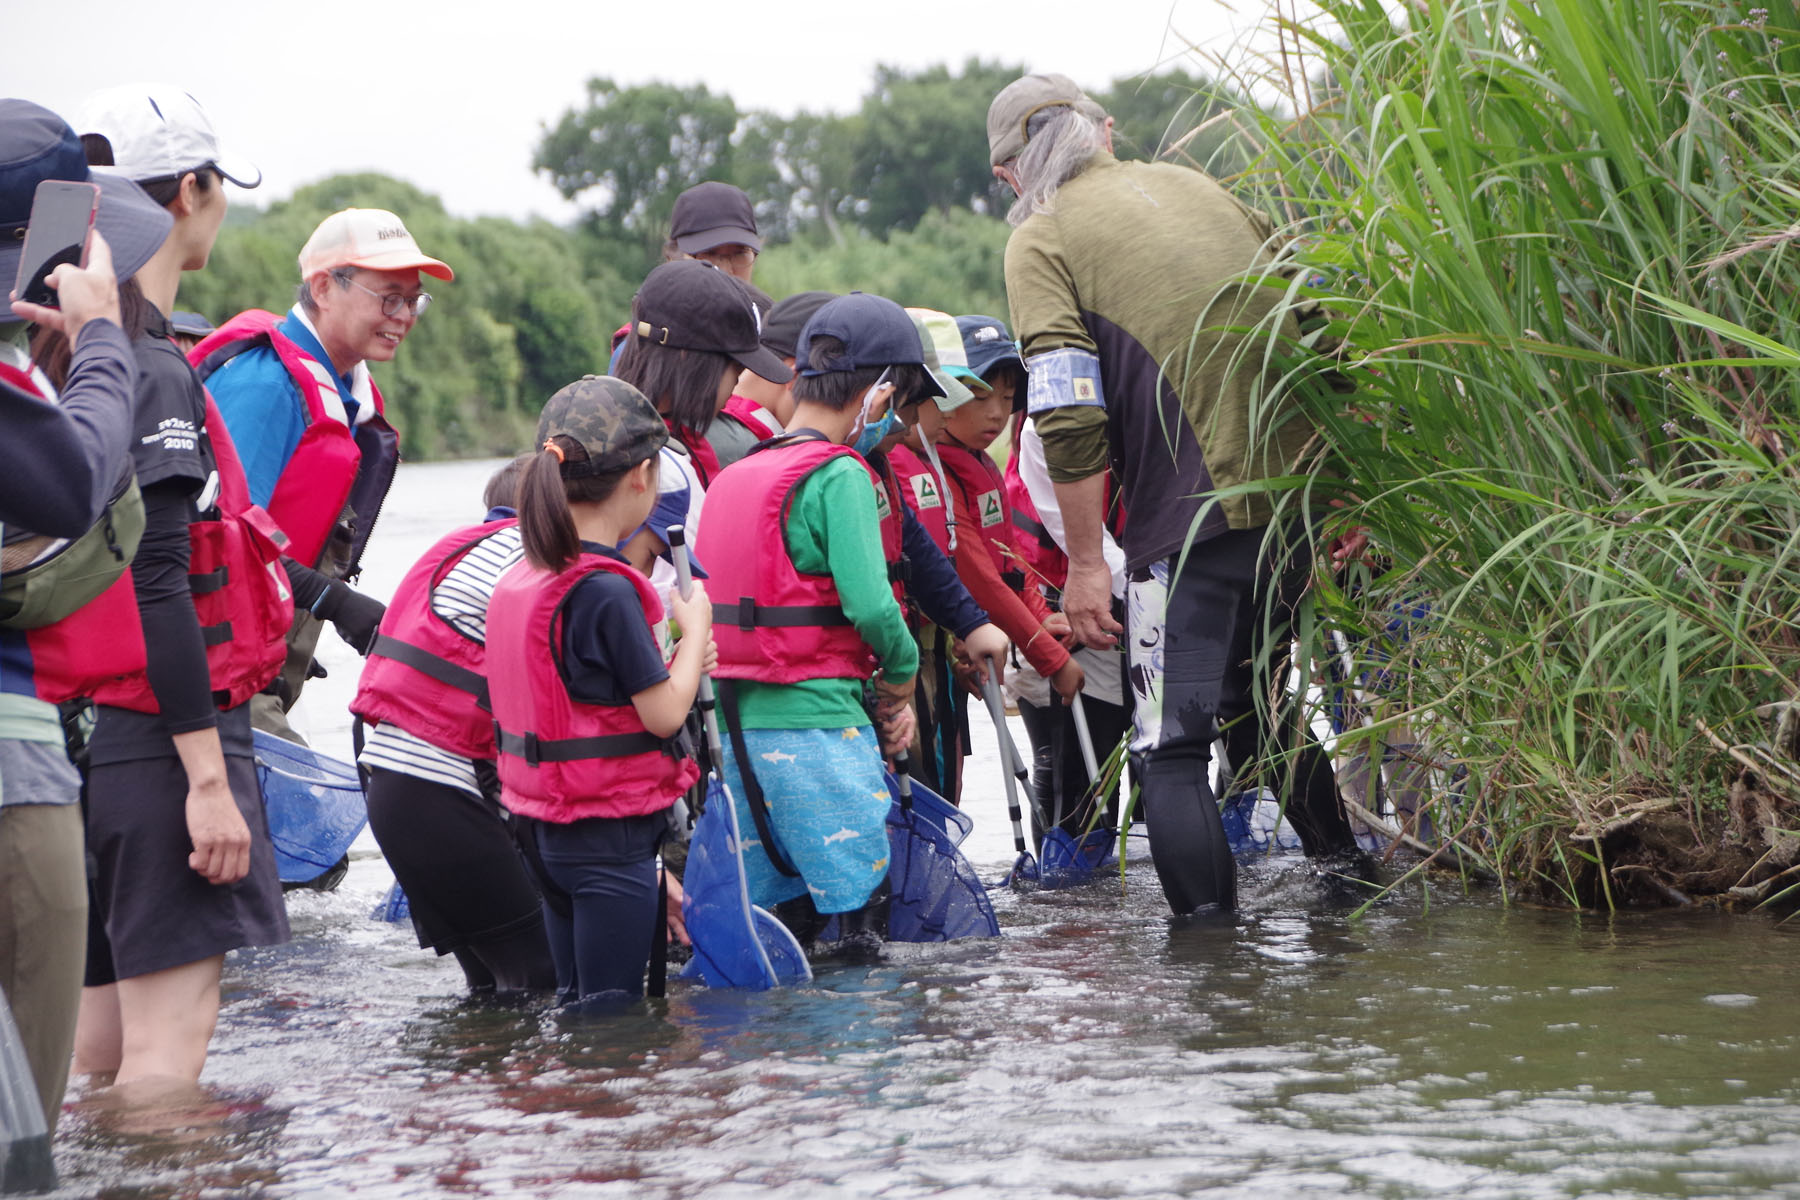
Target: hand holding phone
{"x":62,"y":216}
{"x":89,"y":293}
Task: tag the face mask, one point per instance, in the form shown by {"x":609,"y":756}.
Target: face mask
{"x":872,"y":435}
{"x":868,"y":436}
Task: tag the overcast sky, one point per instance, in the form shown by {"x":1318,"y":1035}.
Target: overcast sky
{"x":452,"y":96}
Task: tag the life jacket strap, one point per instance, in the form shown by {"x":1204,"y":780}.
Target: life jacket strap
{"x":432,"y":667}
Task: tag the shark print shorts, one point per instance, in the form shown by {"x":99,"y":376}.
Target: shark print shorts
{"x":828,"y":804}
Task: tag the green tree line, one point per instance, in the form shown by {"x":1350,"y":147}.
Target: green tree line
{"x":895,"y":197}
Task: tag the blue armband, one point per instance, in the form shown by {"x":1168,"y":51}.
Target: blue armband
{"x":1063,"y":378}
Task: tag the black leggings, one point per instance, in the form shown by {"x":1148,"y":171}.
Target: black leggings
{"x":1228,"y":605}
{"x":1057,"y":768}
{"x":469,"y":890}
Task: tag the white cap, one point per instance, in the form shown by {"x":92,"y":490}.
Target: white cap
{"x":372,"y":238}
{"x":157,"y":130}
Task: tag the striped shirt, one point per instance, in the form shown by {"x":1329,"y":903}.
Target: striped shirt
{"x":461,"y":599}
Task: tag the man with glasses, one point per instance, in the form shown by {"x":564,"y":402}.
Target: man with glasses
{"x":307,"y":418}
{"x":714,"y":222}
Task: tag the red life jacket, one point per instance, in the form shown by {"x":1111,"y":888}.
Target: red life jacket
{"x":241,"y":592}
{"x":423,"y":674}
{"x":700,"y":451}
{"x":752,"y":416}
{"x":334,"y":467}
{"x":924,"y":494}
{"x":95,"y":644}
{"x":1032,"y":541}
{"x":983,"y":494}
{"x":561,"y":760}
{"x":771,"y":622}
{"x":241,"y":597}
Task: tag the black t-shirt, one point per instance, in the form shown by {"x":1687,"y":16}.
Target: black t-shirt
{"x":172,"y":460}
{"x":609,"y":651}
{"x":169,"y":414}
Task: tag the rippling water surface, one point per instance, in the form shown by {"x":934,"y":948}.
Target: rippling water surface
{"x":1440,"y":1043}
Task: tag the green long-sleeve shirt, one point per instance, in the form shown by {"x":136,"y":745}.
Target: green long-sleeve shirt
{"x":1141,"y":269}
{"x":833,"y":529}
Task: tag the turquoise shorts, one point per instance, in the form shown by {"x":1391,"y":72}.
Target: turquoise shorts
{"x":828,"y":803}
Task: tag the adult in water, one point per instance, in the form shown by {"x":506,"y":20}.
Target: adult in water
{"x":1129,"y":284}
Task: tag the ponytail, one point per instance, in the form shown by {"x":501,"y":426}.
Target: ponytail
{"x":545,"y":522}
{"x":546,"y":525}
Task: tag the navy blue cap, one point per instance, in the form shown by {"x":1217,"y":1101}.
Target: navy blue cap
{"x":987,"y":343}
{"x":875,"y":331}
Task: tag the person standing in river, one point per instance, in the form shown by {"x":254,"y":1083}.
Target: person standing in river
{"x":297,"y":395}
{"x":1128,"y":284}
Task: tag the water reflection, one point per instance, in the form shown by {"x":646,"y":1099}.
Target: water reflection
{"x":1097,"y":1049}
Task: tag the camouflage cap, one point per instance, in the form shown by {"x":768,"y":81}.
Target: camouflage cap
{"x":1023,"y":99}
{"x":614,"y":422}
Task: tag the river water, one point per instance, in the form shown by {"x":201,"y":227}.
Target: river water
{"x":1440,"y":1043}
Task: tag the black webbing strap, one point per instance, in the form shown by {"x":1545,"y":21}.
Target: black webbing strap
{"x":524,"y":831}
{"x":432,"y":666}
{"x":216,"y":635}
{"x":208,"y":582}
{"x":535,"y":750}
{"x":753,"y":793}
{"x":1034,"y":528}
{"x":658,"y":986}
{"x":748,"y":615}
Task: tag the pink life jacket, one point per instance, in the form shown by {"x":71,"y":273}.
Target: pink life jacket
{"x":423,"y":674}
{"x":241,"y":592}
{"x":770,"y":621}
{"x":752,"y":416}
{"x":983,"y":493}
{"x":1033,"y":542}
{"x":97,"y":642}
{"x":561,"y":760}
{"x":334,"y":467}
{"x":924,"y":494}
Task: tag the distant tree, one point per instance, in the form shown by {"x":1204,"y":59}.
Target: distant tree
{"x":628,"y":152}
{"x":923,"y":143}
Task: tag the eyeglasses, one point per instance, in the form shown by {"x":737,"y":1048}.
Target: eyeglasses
{"x":394,"y":303}
{"x":731,"y":253}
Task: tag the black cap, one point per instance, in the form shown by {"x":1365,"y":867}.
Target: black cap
{"x":692,"y":305}
{"x":781,"y":328}
{"x":875,"y":332}
{"x":713,"y":214}
{"x":189,"y":324}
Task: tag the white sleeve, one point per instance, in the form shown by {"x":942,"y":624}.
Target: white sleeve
{"x":1036,"y":474}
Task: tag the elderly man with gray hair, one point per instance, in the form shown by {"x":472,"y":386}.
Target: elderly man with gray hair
{"x":1132,"y":286}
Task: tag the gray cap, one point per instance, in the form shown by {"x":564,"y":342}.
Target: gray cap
{"x":1021,"y":100}
{"x":613,"y":422}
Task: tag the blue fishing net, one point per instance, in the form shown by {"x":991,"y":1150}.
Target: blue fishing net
{"x":956,"y":824}
{"x":736,"y":944}
{"x":393,"y":907}
{"x":1065,"y":860}
{"x":937,"y":897}
{"x":315,"y":806}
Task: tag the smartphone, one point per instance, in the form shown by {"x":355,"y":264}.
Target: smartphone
{"x":62,"y":215}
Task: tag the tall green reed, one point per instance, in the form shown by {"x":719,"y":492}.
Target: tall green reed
{"x":1557,"y":246}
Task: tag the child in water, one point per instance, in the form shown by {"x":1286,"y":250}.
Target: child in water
{"x":802,"y":539}
{"x":586,"y":703}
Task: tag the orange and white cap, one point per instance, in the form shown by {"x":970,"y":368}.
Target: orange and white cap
{"x":371,"y":238}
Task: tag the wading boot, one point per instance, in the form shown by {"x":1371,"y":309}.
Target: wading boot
{"x":802,"y":919}
{"x":863,"y":931}
{"x":1187,"y":837}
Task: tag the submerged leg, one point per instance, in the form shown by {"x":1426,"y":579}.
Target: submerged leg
{"x":1187,"y":837}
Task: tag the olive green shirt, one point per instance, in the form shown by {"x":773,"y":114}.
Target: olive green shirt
{"x":1143,"y":266}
